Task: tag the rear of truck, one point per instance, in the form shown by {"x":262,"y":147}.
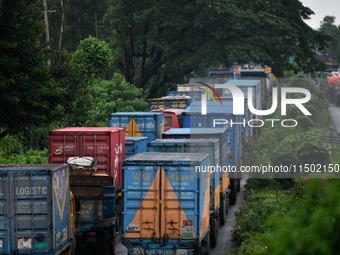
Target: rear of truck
{"x":218,"y":133}
{"x":94,"y":156}
{"x":219,"y":116}
{"x":212,"y":147}
{"x":148,"y":124}
{"x":166,"y":203}
{"x":35,"y":210}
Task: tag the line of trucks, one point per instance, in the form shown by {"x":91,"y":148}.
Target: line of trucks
{"x":131,"y":187}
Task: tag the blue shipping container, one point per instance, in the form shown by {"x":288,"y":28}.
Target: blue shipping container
{"x":210,"y":146}
{"x":34,"y":209}
{"x":192,"y":118}
{"x":148,"y":124}
{"x":166,"y":201}
{"x":134,"y":145}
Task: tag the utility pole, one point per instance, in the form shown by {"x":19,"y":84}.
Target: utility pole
{"x":96,"y":25}
{"x":46,"y":11}
{"x":47,"y":31}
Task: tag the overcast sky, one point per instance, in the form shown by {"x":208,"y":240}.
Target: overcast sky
{"x":322,"y":8}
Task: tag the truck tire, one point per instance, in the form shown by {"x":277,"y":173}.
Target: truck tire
{"x":104,"y":242}
{"x":238,"y":185}
{"x":233,"y":189}
{"x":206,"y":245}
{"x":223,"y":211}
{"x":213,"y":232}
{"x":200,"y":250}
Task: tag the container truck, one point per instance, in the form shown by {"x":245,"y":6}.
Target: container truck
{"x":220,"y":116}
{"x":37,"y":210}
{"x":148,"y":124}
{"x":172,"y":117}
{"x":268,"y":81}
{"x":184,"y":90}
{"x":244,"y":85}
{"x":175,"y":102}
{"x":218,"y":205}
{"x":228,"y":188}
{"x":166,"y":203}
{"x":94,"y":156}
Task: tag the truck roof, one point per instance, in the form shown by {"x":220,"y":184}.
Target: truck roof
{"x":195,"y":131}
{"x":171,"y":110}
{"x":167,"y":157}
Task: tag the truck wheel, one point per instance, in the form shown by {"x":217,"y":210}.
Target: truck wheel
{"x":223,"y":213}
{"x":233,"y":194}
{"x":103,"y":243}
{"x":200,"y":250}
{"x":206,"y":245}
{"x":238,"y":185}
{"x":213,"y":232}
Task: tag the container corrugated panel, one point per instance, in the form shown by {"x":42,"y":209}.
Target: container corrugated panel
{"x":134,"y":145}
{"x":34,"y":209}
{"x":203,"y":133}
{"x":106,"y":145}
{"x":192,"y":118}
{"x":166,"y":201}
{"x":210,"y":146}
{"x":148,"y":124}
{"x":255,"y":86}
{"x":263,"y":77}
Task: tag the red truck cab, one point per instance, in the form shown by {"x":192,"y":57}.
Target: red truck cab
{"x":172,"y":117}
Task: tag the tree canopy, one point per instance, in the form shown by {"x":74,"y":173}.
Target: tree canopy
{"x":28,"y":93}
{"x":159,"y":42}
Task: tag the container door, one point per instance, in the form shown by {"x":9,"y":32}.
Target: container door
{"x":161,"y":202}
{"x":141,"y":201}
{"x":179,"y":203}
{"x":28,"y":202}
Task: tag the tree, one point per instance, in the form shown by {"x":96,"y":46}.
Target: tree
{"x":92,"y":58}
{"x":28,"y":95}
{"x":159,"y":42}
{"x":333,"y":50}
{"x":75,"y":20}
{"x":108,"y":96}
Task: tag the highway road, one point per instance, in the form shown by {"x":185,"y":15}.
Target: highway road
{"x":224,"y":242}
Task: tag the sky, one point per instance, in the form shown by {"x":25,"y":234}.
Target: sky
{"x":322,"y":8}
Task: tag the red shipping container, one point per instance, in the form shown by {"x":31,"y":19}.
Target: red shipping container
{"x":105,"y":144}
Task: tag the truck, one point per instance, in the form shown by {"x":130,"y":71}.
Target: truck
{"x":166,"y":203}
{"x":94,"y":156}
{"x":37,"y":210}
{"x":185,"y":90}
{"x":218,"y":205}
{"x":148,"y":124}
{"x":172,"y":117}
{"x":333,"y":89}
{"x":244,"y":85}
{"x":175,"y":102}
{"x":228,"y":186}
{"x":219,"y":116}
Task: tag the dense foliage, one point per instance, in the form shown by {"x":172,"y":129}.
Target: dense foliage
{"x":29,"y":95}
{"x":286,"y":215}
{"x":159,"y":42}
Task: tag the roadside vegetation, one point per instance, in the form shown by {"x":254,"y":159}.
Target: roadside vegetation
{"x":291,"y":215}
